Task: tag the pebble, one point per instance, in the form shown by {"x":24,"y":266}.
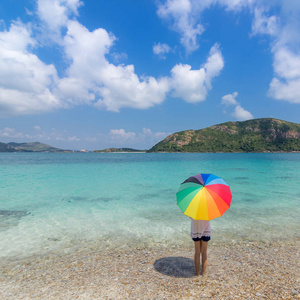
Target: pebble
{"x":156,"y":273}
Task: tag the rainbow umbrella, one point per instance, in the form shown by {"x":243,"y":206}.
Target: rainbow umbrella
{"x":204,"y":197}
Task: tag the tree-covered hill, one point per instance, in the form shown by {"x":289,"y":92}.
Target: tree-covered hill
{"x":28,"y":147}
{"x":7,"y":148}
{"x":258,"y":135}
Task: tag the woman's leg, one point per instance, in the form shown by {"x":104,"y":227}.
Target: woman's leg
{"x":203,"y":248}
{"x":197,"y":257}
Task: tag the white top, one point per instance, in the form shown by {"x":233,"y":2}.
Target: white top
{"x":200,"y":228}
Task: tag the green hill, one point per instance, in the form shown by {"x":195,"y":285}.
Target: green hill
{"x":7,"y":148}
{"x":258,"y":135}
{"x":29,"y":147}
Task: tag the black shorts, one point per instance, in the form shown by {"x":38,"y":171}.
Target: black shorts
{"x":203,"y":238}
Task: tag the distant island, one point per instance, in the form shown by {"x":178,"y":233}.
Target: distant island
{"x":29,"y":147}
{"x":113,"y":150}
{"x":257,"y":135}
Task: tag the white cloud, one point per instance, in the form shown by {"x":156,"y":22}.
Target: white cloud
{"x":284,"y":31}
{"x":241,"y":114}
{"x":26,"y":82}
{"x":235,"y":5}
{"x":184,"y":20}
{"x":286,"y":63}
{"x":73,"y":139}
{"x":263,"y":24}
{"x":8,"y":132}
{"x":193,"y":85}
{"x":28,"y":85}
{"x":147,"y":131}
{"x":154,"y":136}
{"x":161,"y":49}
{"x":230,"y":99}
{"x":121,"y":135}
{"x":286,"y":83}
{"x":184,"y":17}
{"x":285,"y":90}
{"x":92,"y":79}
{"x":55,"y":14}
{"x":146,"y":138}
{"x":123,"y":88}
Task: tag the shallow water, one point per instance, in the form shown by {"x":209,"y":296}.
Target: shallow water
{"x":62,"y":201}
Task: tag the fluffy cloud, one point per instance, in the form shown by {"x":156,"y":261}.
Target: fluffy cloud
{"x":286,"y":63}
{"x":91,"y":78}
{"x":286,"y":84}
{"x":30,"y":86}
{"x":55,"y":14}
{"x":161,"y":49}
{"x":239,"y":112}
{"x":146,"y":138}
{"x":154,"y":136}
{"x":193,"y":85}
{"x":180,"y":13}
{"x":26,"y":83}
{"x":263,"y":24}
{"x":123,"y":88}
{"x":285,"y":90}
{"x":184,"y":17}
{"x":7,"y":134}
{"x":121,"y":135}
{"x":230,"y":99}
{"x":284,"y":32}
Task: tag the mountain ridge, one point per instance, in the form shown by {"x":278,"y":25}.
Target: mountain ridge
{"x":257,"y":135}
{"x":28,"y":147}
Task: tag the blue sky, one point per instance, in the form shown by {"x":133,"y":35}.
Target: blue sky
{"x":96,"y":74}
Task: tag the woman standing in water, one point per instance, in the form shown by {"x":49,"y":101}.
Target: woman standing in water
{"x":200,"y":233}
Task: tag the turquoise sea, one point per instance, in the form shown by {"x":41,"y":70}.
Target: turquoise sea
{"x":58,"y":202}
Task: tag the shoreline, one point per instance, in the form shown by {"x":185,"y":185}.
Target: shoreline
{"x":243,"y":270}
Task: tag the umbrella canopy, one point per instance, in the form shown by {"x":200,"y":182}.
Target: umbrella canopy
{"x":204,"y":197}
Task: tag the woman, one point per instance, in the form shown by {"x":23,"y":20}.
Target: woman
{"x":200,"y":233}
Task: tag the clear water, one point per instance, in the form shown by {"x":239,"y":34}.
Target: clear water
{"x":59,"y":202}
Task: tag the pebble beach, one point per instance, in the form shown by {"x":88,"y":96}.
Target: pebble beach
{"x":240,"y":270}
